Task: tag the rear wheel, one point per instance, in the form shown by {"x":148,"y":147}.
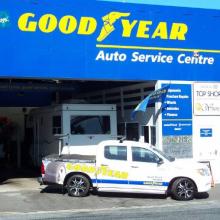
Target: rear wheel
{"x":183,"y":189}
{"x":78,"y":186}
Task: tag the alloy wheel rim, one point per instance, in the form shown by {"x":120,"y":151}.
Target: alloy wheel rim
{"x":77,"y":186}
{"x":185,"y":189}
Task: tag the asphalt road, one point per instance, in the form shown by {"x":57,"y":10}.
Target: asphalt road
{"x":50,"y":203}
{"x":182,"y":211}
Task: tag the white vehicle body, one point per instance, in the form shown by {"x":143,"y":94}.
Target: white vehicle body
{"x":129,"y":166}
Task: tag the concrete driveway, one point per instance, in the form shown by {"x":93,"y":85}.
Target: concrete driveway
{"x":19,"y":184}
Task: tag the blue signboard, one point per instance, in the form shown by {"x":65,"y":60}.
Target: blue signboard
{"x":177,"y":110}
{"x":84,"y":39}
{"x":206,"y":132}
{"x":176,"y":128}
{"x":178,"y":102}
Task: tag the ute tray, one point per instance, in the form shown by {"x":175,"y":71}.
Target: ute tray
{"x":72,"y":158}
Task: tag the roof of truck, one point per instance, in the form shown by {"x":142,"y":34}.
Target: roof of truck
{"x":126,"y":142}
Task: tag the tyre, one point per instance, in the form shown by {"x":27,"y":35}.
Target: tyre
{"x":183,"y":189}
{"x":78,"y":186}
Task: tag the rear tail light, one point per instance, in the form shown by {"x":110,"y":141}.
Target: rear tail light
{"x":42,"y":169}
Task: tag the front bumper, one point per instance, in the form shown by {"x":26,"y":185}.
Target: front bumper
{"x":204,"y":184}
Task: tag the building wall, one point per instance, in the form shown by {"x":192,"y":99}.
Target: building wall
{"x":16,"y":115}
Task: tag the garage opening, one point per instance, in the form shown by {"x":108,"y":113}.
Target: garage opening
{"x":20,"y":96}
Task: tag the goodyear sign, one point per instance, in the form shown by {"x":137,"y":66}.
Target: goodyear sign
{"x":104,"y":40}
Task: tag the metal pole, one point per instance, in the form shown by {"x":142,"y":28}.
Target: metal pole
{"x":18,"y":150}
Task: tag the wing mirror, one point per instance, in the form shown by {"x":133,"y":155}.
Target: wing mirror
{"x":160,"y":161}
{"x":171,"y":158}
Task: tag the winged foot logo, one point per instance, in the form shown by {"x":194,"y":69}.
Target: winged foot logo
{"x":109,"y":20}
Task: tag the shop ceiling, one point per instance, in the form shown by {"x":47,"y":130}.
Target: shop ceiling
{"x":29,"y":92}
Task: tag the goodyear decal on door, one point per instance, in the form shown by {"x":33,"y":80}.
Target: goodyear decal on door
{"x":103,"y":170}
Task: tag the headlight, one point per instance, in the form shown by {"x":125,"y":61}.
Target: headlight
{"x":203,"y":172}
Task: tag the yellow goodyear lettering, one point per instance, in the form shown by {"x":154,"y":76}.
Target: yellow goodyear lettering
{"x":103,"y":170}
{"x":161,"y":31}
{"x":91,"y":169}
{"x":110,"y":173}
{"x":87,"y":26}
{"x":117,"y":174}
{"x":47,"y":23}
{"x":178,"y":31}
{"x":69,"y":166}
{"x":124,"y":175}
{"x":68,"y":24}
{"x":77,"y":167}
{"x":128,"y":27}
{"x":84,"y":168}
{"x":143,"y":29}
{"x":25,"y":24}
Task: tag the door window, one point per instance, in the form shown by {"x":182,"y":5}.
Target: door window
{"x":143,"y":155}
{"x":116,"y":152}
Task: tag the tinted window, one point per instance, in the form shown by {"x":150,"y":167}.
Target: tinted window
{"x":116,"y":152}
{"x":143,"y":155}
{"x":132,"y":131}
{"x":90,"y":124}
{"x":56,"y":124}
{"x":153,"y":135}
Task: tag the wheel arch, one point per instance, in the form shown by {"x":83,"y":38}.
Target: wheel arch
{"x":77,"y":173}
{"x":178,"y":177}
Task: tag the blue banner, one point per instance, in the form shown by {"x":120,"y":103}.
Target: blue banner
{"x":99,"y":40}
{"x":156,"y":96}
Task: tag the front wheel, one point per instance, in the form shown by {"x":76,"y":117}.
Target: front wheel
{"x":183,"y":189}
{"x":78,"y":186}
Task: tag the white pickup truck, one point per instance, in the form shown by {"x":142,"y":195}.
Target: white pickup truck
{"x":126,"y":166}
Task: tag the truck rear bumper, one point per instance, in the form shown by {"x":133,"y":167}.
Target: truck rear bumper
{"x":40,"y":180}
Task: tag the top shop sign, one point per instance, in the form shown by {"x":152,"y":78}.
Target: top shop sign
{"x":105,"y":40}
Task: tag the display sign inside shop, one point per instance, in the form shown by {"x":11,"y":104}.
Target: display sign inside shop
{"x":177,"y":121}
{"x":178,"y":103}
{"x":105,"y":40}
{"x":206,"y":98}
{"x":177,"y":111}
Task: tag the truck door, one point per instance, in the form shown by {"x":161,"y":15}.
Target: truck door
{"x":112,"y":168}
{"x":145,"y":172}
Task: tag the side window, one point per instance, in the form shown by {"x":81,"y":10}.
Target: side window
{"x":56,"y":124}
{"x":143,"y":155}
{"x":84,"y":124}
{"x":116,"y":152}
